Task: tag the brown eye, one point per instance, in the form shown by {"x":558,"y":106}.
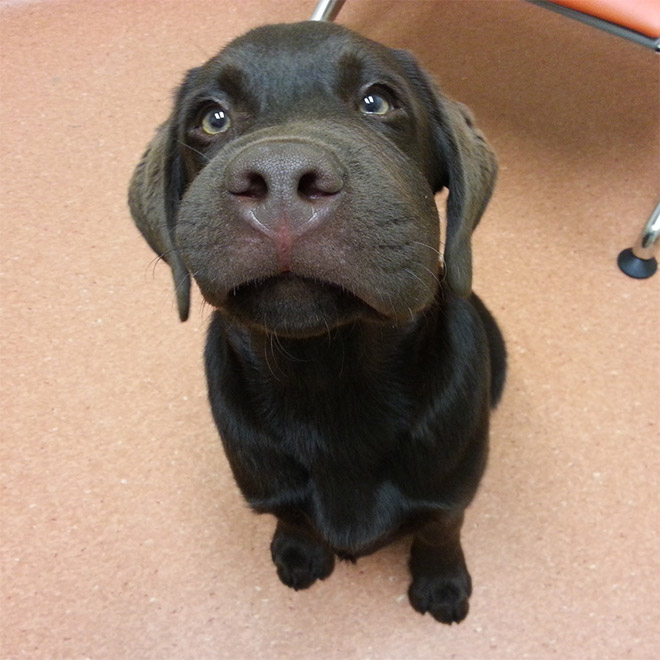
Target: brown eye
{"x":216,"y":121}
{"x":374,"y":104}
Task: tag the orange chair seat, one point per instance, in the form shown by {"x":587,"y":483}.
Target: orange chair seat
{"x":642,"y":16}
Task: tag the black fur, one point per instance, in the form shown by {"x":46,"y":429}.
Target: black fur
{"x":351,"y":375}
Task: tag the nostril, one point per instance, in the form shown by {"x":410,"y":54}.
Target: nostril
{"x":249,"y":184}
{"x":314,"y":185}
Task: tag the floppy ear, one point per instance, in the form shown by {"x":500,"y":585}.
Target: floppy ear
{"x":153,"y":197}
{"x":469,"y":171}
{"x":463,"y":162}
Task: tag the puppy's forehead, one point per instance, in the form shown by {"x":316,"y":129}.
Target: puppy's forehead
{"x":291,"y":60}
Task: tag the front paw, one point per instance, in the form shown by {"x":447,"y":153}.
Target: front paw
{"x":300,"y":561}
{"x":445,"y":597}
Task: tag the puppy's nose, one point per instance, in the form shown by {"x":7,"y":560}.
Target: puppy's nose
{"x":284,"y":188}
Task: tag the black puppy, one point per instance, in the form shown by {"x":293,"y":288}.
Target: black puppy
{"x":351,"y":370}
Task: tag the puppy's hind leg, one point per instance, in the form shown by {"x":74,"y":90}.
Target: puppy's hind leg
{"x":441,"y":584}
{"x":300,"y":558}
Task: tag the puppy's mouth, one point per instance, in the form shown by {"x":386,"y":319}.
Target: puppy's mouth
{"x":296,"y":306}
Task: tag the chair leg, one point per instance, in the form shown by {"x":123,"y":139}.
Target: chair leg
{"x":327,"y":10}
{"x":639,"y":261}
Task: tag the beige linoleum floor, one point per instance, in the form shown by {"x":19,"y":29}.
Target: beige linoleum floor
{"x":123,"y":535}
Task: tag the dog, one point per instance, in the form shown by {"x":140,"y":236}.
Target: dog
{"x":351,"y":369}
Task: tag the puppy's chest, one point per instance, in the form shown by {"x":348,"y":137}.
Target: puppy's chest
{"x":356,"y":512}
{"x":356,"y":468}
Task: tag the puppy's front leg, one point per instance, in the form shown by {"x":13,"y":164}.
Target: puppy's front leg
{"x":441,"y":583}
{"x":300,"y":557}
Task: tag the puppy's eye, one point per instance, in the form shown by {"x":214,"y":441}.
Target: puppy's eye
{"x":215,"y":121}
{"x":375,"y":104}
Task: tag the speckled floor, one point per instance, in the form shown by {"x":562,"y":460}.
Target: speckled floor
{"x":124,"y":537}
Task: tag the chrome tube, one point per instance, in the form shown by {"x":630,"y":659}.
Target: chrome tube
{"x":646,"y":245}
{"x":327,"y":10}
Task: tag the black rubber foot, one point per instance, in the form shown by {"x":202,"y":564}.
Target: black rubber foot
{"x":638,"y":268}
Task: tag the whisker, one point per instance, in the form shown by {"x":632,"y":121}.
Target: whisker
{"x":266,"y":346}
{"x":430,"y":247}
{"x":199,"y":153}
{"x":328,"y":331}
{"x":343,"y":354}
{"x":153,"y":264}
{"x":283,"y":350}
{"x":418,"y":278}
{"x":433,"y":274}
{"x":205,"y":54}
{"x":183,"y":281}
{"x":203,"y":307}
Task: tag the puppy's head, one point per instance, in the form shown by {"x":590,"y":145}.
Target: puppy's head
{"x":294,"y":182}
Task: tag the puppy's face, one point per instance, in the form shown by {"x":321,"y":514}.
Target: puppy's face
{"x":294,"y":182}
{"x":309,"y":198}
